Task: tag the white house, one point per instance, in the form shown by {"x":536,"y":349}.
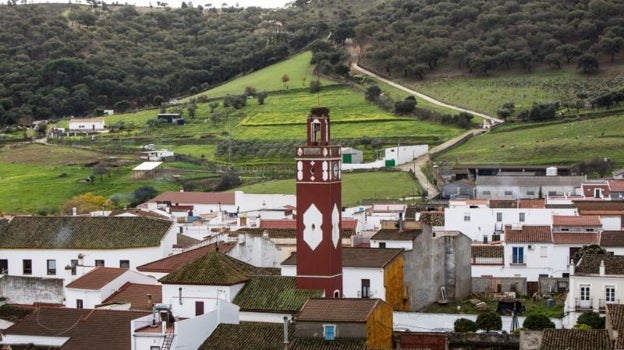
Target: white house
{"x":158,"y":155}
{"x":484,"y":220}
{"x":65,"y":247}
{"x":88,"y":125}
{"x":519,"y":186}
{"x":91,"y":289}
{"x":595,"y":281}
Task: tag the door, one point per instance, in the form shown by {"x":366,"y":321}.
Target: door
{"x":199,"y":308}
{"x":585,"y":300}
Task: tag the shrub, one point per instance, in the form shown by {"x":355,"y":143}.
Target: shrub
{"x":464,"y":325}
{"x":537,"y":322}
{"x":489,"y":321}
{"x":591,"y":319}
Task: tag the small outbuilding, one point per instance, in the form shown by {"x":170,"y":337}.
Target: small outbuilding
{"x":146,"y":169}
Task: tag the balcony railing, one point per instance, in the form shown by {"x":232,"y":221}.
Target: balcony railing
{"x":603,"y":302}
{"x":584,"y":304}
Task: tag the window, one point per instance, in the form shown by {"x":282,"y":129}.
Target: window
{"x":329,"y":331}
{"x":499,"y":217}
{"x":597,"y":192}
{"x":51,"y":265}
{"x":79,"y":304}
{"x":124,"y":264}
{"x":508,"y":193}
{"x":486,"y":193}
{"x":99,"y":262}
{"x":466,"y":216}
{"x":589,"y":230}
{"x":565,"y":229}
{"x":517,"y":255}
{"x":382,"y":244}
{"x":585,"y":292}
{"x":543,"y":252}
{"x":74,"y":263}
{"x":521,"y":217}
{"x":4,"y":266}
{"x":530,"y":193}
{"x":27,"y":267}
{"x":610,"y":293}
{"x":154,"y":347}
{"x":365,"y":288}
{"x":552,"y":193}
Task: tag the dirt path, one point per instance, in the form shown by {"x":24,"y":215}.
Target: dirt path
{"x":417,"y":164}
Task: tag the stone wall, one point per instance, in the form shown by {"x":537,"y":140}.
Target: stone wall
{"x":31,"y":290}
{"x":487,"y":285}
{"x":552,"y":285}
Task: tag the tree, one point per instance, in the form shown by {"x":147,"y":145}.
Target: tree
{"x":373,"y":93}
{"x":406,"y":106}
{"x":464,"y":325}
{"x":285,"y":80}
{"x":537,"y":322}
{"x":489,"y":321}
{"x":229,"y":180}
{"x":142,"y":194}
{"x":84,"y":204}
{"x":589,"y":249}
{"x":587,"y":64}
{"x":315,"y":86}
{"x":261,"y":96}
{"x":591,"y":319}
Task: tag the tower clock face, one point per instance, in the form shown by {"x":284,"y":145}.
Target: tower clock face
{"x":336,"y":171}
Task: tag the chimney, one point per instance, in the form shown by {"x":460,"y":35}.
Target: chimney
{"x":285,"y":332}
{"x":571,"y":267}
{"x":400,"y":222}
{"x":602,"y":268}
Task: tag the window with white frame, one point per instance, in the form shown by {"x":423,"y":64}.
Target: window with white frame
{"x":521,"y":217}
{"x":585,"y":289}
{"x":499,"y":217}
{"x":517,"y":255}
{"x":508,"y":193}
{"x":466,"y":216}
{"x":543,"y":251}
{"x":610,"y":293}
{"x":51,"y":266}
{"x":329,"y":331}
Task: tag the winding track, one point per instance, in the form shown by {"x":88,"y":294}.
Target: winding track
{"x":417,"y":164}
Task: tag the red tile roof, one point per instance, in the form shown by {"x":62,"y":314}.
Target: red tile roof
{"x":576,"y":339}
{"x":137,"y":295}
{"x":531,"y":203}
{"x":196,"y":197}
{"x":348,"y":224}
{"x":612,"y":239}
{"x":576,"y":238}
{"x":97,"y":278}
{"x":528,"y":234}
{"x":173,"y":262}
{"x":338,"y":310}
{"x":576,"y":220}
{"x":278,"y":224}
{"x":360,"y":257}
{"x":87,"y":328}
{"x":487,"y":251}
{"x":590,"y":264}
{"x":615,"y":313}
{"x":616,"y":185}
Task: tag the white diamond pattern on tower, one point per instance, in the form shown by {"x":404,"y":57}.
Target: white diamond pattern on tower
{"x":335,"y":226}
{"x":312,"y":232}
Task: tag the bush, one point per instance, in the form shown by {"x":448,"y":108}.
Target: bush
{"x":537,"y":322}
{"x":591,"y":319}
{"x":489,"y":321}
{"x":464,"y":325}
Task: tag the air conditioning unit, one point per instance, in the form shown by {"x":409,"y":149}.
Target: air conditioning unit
{"x":530,"y":247}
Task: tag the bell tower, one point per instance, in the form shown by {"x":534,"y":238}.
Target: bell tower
{"x":319,"y":191}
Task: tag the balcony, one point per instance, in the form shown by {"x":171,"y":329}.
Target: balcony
{"x":583,"y":305}
{"x":603,"y":302}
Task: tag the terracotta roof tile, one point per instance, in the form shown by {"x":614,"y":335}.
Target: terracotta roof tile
{"x":97,"y":278}
{"x":247,"y":336}
{"x":616,"y":185}
{"x":196,"y":197}
{"x":531,"y":203}
{"x":395,"y":235}
{"x":137,"y":295}
{"x":615,"y":313}
{"x":528,"y":234}
{"x":388,"y":208}
{"x":432,"y":218}
{"x":87,"y":328}
{"x":557,"y":339}
{"x":487,"y":251}
{"x":284,"y":232}
{"x":502,"y":203}
{"x":184,"y":241}
{"x":348,"y":223}
{"x":273,"y":294}
{"x":214,"y":268}
{"x":576,"y":220}
{"x":338,"y":310}
{"x":278,"y":224}
{"x":598,"y":205}
{"x":322,"y":344}
{"x":612,"y":239}
{"x":175,"y":261}
{"x":78,"y":232}
{"x":590,"y":264}
{"x":583,"y":238}
{"x":360,"y":257}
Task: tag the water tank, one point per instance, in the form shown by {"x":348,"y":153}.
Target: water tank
{"x":551,"y":171}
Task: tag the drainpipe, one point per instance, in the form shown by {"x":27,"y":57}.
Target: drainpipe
{"x":285,"y":332}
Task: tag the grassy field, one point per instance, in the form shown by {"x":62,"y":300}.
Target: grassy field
{"x":560,"y":143}
{"x":298,"y":69}
{"x":488,"y":93}
{"x":356,"y":187}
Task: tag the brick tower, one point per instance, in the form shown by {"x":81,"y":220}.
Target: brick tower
{"x":319,"y":191}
